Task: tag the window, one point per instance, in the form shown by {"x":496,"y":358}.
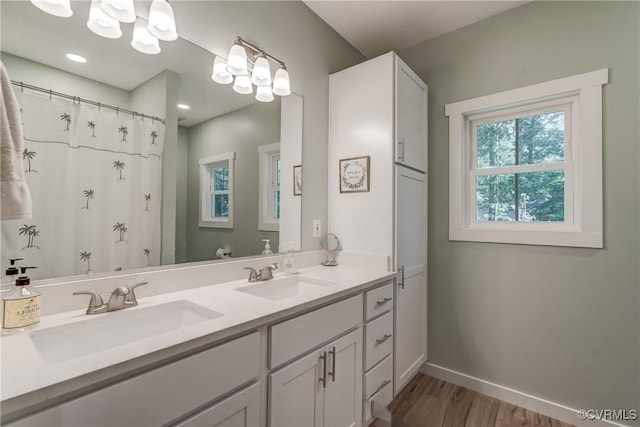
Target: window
{"x":526,"y":165}
{"x":216,"y":191}
{"x":269,"y":198}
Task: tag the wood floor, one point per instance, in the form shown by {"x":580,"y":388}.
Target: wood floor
{"x":430,"y":402}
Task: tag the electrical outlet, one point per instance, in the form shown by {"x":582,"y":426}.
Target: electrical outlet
{"x":316,"y":228}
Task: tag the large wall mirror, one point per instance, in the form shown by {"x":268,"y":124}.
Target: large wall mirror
{"x":218,"y":179}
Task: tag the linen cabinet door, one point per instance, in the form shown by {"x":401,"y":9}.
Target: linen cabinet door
{"x":296,"y":392}
{"x":343,"y":395}
{"x":411,"y":118}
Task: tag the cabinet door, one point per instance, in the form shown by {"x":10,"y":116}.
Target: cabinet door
{"x":296,"y":393}
{"x":240,"y":410}
{"x":411,"y":118}
{"x":343,"y":395}
{"x":411,"y":291}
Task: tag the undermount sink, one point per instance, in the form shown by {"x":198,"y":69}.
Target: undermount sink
{"x":65,"y":342}
{"x":289,"y":287}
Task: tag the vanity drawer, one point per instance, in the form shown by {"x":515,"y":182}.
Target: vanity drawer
{"x":378,"y":377}
{"x":164,"y":394}
{"x":298,"y":335}
{"x":378,"y":339}
{"x":382,"y":389}
{"x":379,"y":300}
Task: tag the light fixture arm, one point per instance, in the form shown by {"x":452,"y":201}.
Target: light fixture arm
{"x":256,"y":51}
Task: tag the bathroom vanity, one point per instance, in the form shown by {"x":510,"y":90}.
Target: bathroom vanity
{"x":307,"y":349}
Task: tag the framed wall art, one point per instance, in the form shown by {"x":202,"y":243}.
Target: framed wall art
{"x":354,"y":174}
{"x":297,"y":180}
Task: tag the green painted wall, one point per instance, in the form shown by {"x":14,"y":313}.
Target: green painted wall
{"x":562,"y":324}
{"x":242,"y":132}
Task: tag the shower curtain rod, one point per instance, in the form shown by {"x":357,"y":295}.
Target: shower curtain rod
{"x":86,"y":101}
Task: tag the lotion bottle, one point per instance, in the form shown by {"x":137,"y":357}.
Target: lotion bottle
{"x":20,"y":306}
{"x":289,"y":262}
{"x":267,"y":247}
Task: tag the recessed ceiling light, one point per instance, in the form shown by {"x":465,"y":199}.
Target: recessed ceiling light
{"x":183,"y":106}
{"x":76,"y":58}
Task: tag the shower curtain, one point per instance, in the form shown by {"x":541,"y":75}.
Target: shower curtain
{"x":95,"y":180}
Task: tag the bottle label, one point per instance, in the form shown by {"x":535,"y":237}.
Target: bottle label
{"x":19,"y":313}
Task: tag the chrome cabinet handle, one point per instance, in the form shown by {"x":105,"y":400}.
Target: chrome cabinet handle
{"x":401,"y":271}
{"x":383,"y":339}
{"x":383,"y":301}
{"x":323,"y":380}
{"x":332,"y":374}
{"x":384,"y":384}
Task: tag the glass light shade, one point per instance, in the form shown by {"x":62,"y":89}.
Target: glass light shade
{"x":264,"y":94}
{"x":143,"y":41}
{"x":261,"y":75}
{"x":101,"y":23}
{"x":243,"y":85}
{"x":281,"y":85}
{"x":237,"y":60}
{"x":220,"y":73}
{"x":162,"y":23}
{"x":122,"y":10}
{"x":61,"y":8}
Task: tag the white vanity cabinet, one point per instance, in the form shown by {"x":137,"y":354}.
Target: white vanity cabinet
{"x":379,"y":109}
{"x":169,"y":393}
{"x":324,"y":386}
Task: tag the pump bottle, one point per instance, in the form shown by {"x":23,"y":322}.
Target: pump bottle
{"x":21,"y":305}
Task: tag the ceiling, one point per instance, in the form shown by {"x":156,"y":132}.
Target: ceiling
{"x":376,"y":27}
{"x":373,"y":27}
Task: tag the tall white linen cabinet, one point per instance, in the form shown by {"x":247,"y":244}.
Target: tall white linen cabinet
{"x":378,"y":109}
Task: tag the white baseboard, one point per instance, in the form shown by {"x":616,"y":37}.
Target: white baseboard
{"x":515,"y":397}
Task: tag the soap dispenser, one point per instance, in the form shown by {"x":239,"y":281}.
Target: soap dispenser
{"x":21,"y":305}
{"x":289,"y":262}
{"x":267,"y":247}
{"x":11,"y":271}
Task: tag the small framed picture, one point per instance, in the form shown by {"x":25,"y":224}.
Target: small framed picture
{"x":354,"y":174}
{"x":297,"y":180}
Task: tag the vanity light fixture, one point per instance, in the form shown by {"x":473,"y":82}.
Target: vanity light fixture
{"x":101,"y":23}
{"x":220,"y":73}
{"x":244,"y":55}
{"x":122,"y":10}
{"x":61,"y":8}
{"x":162,"y":23}
{"x":143,"y":41}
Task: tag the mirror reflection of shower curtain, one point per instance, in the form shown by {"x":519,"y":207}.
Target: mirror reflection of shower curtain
{"x":95,"y":179}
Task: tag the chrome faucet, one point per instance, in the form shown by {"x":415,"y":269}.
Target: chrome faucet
{"x":122,"y":297}
{"x":266,"y":273}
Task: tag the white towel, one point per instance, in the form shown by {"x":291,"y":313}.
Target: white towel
{"x":15,"y":198}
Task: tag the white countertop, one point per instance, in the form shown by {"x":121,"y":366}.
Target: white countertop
{"x":27,"y":379}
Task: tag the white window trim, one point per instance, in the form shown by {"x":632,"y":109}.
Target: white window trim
{"x":265,"y":203}
{"x":585,"y":229}
{"x":205,"y":219}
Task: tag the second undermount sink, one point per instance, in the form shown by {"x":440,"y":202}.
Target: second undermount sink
{"x":65,"y":342}
{"x":282,"y":288}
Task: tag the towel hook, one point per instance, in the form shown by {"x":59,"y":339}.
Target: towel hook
{"x":21,"y":87}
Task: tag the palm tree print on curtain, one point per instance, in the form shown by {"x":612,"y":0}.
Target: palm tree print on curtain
{"x":147,"y":198}
{"x":124,"y":131}
{"x":92,"y":126}
{"x":28,"y":156}
{"x":121,"y":228}
{"x":86,"y":257}
{"x":87,"y":181}
{"x":147,"y":253}
{"x":31,"y":232}
{"x":88,"y":194}
{"x":65,"y":117}
{"x":119,"y":166}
